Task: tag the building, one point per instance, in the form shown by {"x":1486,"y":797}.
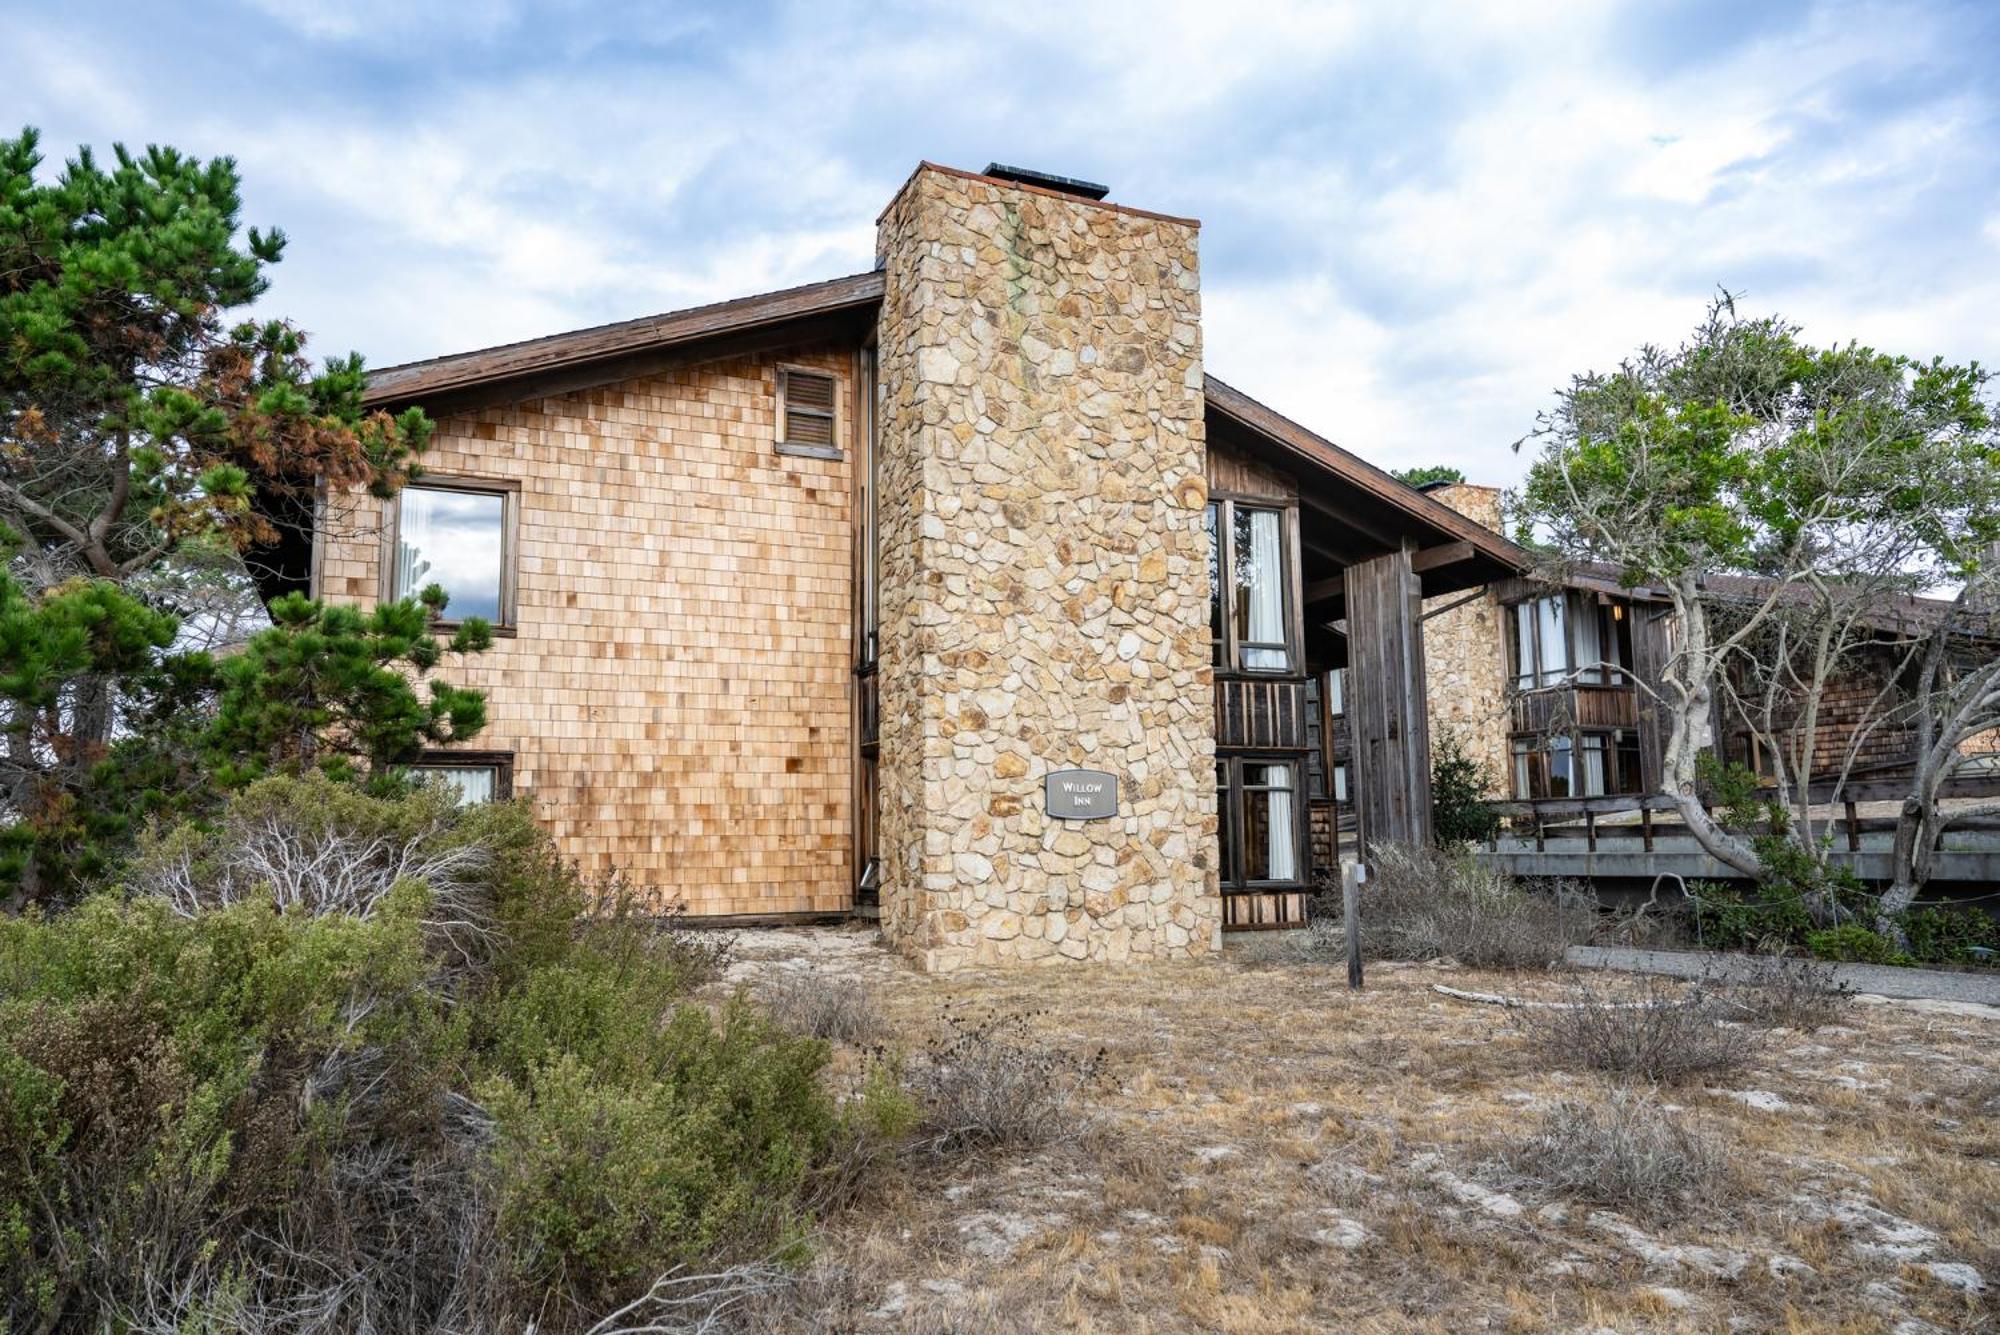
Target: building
{"x":1548,"y":686}
{"x":813,"y":600}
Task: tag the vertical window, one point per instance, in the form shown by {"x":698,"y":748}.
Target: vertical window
{"x":458,"y":536}
{"x":1340,"y":783}
{"x":806,"y":424}
{"x":1214,"y":522}
{"x":1250,"y":605}
{"x":1259,"y":832}
{"x":1260,"y":590}
{"x":1225,"y":810}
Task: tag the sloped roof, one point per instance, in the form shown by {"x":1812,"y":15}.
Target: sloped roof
{"x":582,"y":358}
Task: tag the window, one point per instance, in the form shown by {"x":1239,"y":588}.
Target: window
{"x":474,"y":776}
{"x":1259,"y":833}
{"x":1571,"y":637}
{"x":1340,"y":783}
{"x":1249,"y":570}
{"x":1588,"y":764}
{"x":458,"y":535}
{"x":806,"y":424}
{"x":1336,"y":692}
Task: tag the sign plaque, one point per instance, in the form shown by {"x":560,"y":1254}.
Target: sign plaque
{"x":1081,"y":794}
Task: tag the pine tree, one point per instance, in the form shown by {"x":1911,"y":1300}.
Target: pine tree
{"x":335,"y":689}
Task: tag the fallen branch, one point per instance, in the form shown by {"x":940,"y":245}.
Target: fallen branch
{"x":1522,"y":1003}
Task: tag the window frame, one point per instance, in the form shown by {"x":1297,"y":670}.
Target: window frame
{"x":500,"y":762}
{"x":1226,"y":653}
{"x":1612,"y":668}
{"x":1229,"y":823}
{"x":784,"y":371}
{"x":509,"y":492}
{"x":1537,"y":749}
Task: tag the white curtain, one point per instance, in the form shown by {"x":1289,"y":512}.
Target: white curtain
{"x":1589,"y":643}
{"x":1524,"y":645}
{"x":1267,"y":591}
{"x":1555,"y":647}
{"x":1593,"y":767}
{"x":469,"y":784}
{"x":1283,"y":841}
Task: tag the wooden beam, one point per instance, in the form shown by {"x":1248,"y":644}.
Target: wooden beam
{"x":1446,"y":554}
{"x":1386,"y":716}
{"x":1322,"y":589}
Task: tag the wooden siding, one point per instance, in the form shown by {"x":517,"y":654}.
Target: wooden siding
{"x":1260,"y":715}
{"x":1239,"y":475}
{"x":1560,"y":709}
{"x":677,"y":694}
{"x":1386,"y":713}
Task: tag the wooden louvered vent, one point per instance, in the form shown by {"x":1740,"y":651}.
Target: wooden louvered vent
{"x":805,"y":413}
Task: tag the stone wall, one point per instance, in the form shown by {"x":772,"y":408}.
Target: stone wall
{"x":1044,"y":578}
{"x":1465,"y":656}
{"x":676,"y":696}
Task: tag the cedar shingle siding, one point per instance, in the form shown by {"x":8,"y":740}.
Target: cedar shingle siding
{"x":677,"y":696}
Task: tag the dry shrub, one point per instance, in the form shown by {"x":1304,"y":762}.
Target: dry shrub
{"x":988,"y":1082}
{"x":1788,"y":994}
{"x":1624,"y":1151}
{"x":819,"y":1005}
{"x":1652,"y":1030}
{"x":1423,"y":903}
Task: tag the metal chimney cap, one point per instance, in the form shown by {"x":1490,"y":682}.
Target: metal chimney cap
{"x":1066,"y":185}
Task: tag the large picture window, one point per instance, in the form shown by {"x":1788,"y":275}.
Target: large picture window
{"x":1260,"y":834}
{"x":1250,"y":599}
{"x":458,"y":535}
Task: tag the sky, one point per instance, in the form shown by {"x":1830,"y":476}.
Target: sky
{"x":1419,"y":219}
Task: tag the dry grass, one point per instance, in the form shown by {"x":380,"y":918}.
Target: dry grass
{"x":1621,"y":1148}
{"x":1651,"y":1029}
{"x":1271,"y":1153}
{"x":821,"y":1005}
{"x":1424,"y":904}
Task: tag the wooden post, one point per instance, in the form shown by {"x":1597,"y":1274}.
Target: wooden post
{"x":1590,"y":829}
{"x":1853,"y":829}
{"x":1352,"y":874}
{"x":1646,"y":820}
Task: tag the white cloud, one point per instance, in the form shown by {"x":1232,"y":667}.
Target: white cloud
{"x":1420,"y":219}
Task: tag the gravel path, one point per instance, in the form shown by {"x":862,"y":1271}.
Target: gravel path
{"x":1879,"y":979}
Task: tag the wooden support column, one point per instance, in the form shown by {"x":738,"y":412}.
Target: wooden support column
{"x":1386,"y":713}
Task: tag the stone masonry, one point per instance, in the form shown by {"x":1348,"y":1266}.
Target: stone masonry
{"x":1043,"y":578}
{"x":1465,"y":656}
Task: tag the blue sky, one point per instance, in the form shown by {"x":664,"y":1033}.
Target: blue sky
{"x":1418,"y":218}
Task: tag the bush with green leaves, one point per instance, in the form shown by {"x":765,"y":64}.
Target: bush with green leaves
{"x":1462,"y":810}
{"x":354,"y":1058}
{"x":1851,"y":943}
{"x":1949,"y":935}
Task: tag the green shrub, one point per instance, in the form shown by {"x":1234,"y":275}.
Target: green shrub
{"x":1761,"y":919}
{"x":1852,"y":943}
{"x":355,"y":1054}
{"x":1461,"y":790}
{"x":608,"y":1183}
{"x":1948,"y":935}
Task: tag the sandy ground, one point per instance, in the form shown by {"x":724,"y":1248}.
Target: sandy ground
{"x":1273,"y":1153}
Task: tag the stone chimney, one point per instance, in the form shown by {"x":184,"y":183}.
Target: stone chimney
{"x":1465,"y":654}
{"x":1044,"y":577}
